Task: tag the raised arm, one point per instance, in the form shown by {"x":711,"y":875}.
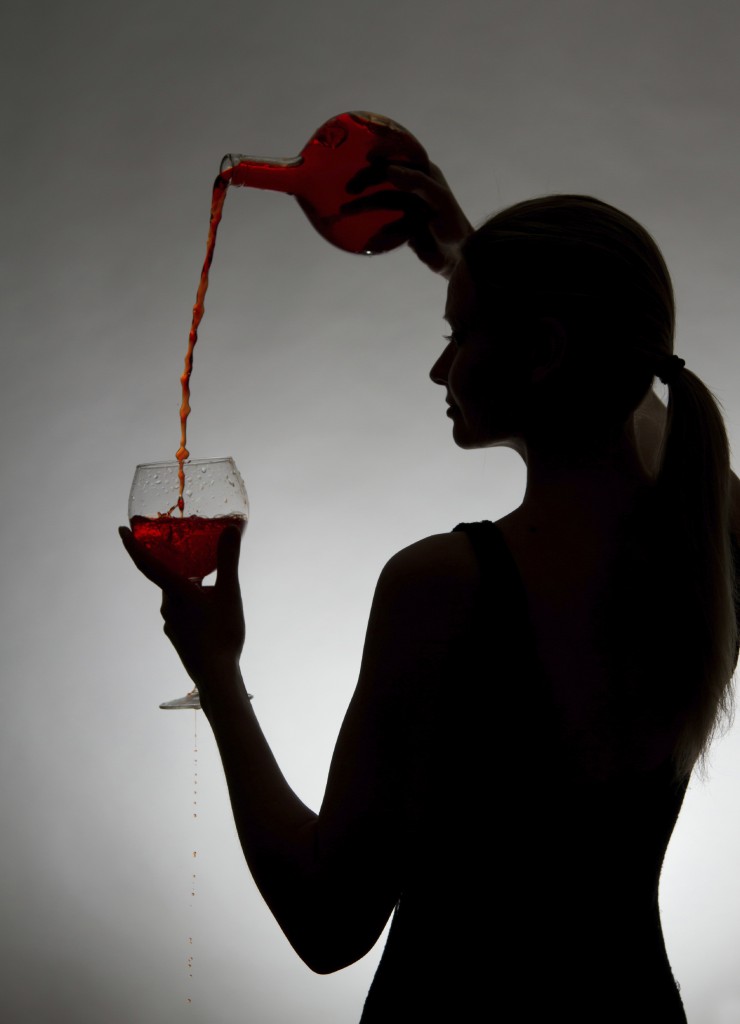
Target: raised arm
{"x":440,"y":227}
{"x":331,"y":879}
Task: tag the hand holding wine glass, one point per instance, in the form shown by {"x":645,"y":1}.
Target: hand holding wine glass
{"x":205,"y":624}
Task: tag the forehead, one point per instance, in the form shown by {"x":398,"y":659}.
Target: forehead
{"x":460,"y":295}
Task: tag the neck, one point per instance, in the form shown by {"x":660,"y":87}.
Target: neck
{"x":576,"y":487}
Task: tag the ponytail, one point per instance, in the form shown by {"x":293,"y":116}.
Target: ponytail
{"x":603,"y":276}
{"x":693,"y":496}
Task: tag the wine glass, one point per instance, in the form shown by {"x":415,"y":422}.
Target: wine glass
{"x":185,"y":538}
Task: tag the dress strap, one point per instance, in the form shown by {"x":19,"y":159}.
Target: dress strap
{"x":492,"y":551}
{"x":502,"y":581}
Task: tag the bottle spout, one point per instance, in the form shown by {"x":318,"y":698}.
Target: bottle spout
{"x":229,"y":162}
{"x":261,"y":172}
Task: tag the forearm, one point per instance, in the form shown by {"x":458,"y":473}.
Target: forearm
{"x":266,"y":809}
{"x":317,"y":881}
{"x":275,"y":828}
{"x":325,"y":887}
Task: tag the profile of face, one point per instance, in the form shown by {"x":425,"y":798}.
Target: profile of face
{"x":483,"y":371}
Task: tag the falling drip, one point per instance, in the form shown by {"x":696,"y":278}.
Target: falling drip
{"x":195,"y":766}
{"x":189,"y":959}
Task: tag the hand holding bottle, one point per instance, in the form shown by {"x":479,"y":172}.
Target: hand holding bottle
{"x":400,"y":196}
{"x":434,"y":222}
{"x":438,"y":236}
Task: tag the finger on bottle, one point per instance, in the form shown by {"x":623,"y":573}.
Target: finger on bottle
{"x":388,"y":199}
{"x":371,"y":174}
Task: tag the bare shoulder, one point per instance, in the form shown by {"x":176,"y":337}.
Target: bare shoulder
{"x":444,"y":557}
{"x":434,"y":583}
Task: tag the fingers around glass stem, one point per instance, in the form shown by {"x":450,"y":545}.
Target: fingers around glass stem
{"x":190,"y":700}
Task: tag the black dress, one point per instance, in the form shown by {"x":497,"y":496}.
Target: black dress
{"x":530,"y":890}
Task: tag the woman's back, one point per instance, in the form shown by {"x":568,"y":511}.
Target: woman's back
{"x":585,"y":584}
{"x":532,"y":870}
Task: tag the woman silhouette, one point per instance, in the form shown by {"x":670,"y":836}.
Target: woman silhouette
{"x":534,"y":693}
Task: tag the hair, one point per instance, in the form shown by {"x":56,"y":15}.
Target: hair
{"x":603,"y":277}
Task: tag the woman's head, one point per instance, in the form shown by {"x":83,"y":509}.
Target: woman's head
{"x":483,"y":370}
{"x":577,"y":303}
{"x":562,"y":312}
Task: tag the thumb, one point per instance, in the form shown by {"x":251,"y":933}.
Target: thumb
{"x":227,"y":559}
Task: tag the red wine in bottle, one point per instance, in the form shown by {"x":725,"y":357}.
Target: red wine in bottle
{"x":350,"y":150}
{"x":187,"y":544}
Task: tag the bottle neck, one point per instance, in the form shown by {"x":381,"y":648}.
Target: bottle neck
{"x":259,"y":172}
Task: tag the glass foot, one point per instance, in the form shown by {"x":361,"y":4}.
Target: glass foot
{"x":190,"y":700}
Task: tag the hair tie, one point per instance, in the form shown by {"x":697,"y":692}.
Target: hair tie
{"x":669,"y":368}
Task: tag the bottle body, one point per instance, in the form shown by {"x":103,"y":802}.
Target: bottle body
{"x":338,"y":180}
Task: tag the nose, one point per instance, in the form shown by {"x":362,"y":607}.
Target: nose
{"x":438,"y":373}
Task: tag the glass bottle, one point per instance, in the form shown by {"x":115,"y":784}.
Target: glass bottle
{"x":338,"y":180}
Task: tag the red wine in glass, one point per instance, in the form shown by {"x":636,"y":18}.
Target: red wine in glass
{"x":187,"y":544}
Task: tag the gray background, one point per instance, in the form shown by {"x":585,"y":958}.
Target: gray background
{"x":311,"y":372}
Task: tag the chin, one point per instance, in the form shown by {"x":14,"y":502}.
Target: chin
{"x":467,"y":444}
{"x":464,"y":439}
{"x":469,"y":440}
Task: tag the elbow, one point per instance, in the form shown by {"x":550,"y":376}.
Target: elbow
{"x":324,"y":962}
{"x":326,"y":946}
{"x":326,"y":955}
{"x":329,"y":924}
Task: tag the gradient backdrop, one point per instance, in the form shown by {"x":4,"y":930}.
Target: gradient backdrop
{"x":312,"y":372}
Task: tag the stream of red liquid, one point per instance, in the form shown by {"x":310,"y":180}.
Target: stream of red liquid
{"x":217,"y":203}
